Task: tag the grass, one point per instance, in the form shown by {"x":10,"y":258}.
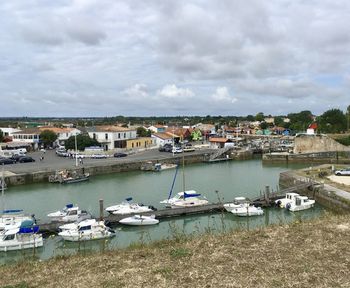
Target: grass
{"x":301,"y":254}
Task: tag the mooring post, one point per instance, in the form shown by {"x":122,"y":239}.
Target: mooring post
{"x":267,"y":195}
{"x":101,"y":209}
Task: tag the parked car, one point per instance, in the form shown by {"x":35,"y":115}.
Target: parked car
{"x":119,"y":154}
{"x":26,"y":159}
{"x":6,"y":161}
{"x":343,"y":172}
{"x":177,"y":150}
{"x":98,"y":156}
{"x":17,"y":157}
{"x":166,"y":148}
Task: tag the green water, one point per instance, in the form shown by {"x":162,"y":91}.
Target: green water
{"x":220,"y":180}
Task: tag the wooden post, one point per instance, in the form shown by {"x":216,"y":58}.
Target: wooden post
{"x":101,"y":209}
{"x":267,"y":195}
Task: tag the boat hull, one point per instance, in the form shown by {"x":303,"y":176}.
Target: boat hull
{"x":139,"y":221}
{"x":76,"y":236}
{"x":32,"y":241}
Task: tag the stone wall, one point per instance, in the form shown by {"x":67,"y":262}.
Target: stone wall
{"x":316,"y":143}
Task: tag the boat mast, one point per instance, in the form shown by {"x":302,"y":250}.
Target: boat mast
{"x":183,"y":172}
{"x":2,"y":189}
{"x":76,"y":151}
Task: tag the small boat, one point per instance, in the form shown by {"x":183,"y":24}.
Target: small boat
{"x":246,"y":209}
{"x":129,"y":208}
{"x":67,"y":177}
{"x":13,"y":219}
{"x":189,"y":200}
{"x":140,"y":220}
{"x":177,"y":197}
{"x":289,"y":198}
{"x":237,"y":202}
{"x":89,"y":229}
{"x":23,"y":237}
{"x":300,"y":203}
{"x":70,"y":213}
{"x":157,"y":167}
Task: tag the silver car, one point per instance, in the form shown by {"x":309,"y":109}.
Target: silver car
{"x":343,"y":172}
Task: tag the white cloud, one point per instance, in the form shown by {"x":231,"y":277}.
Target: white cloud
{"x":87,"y":52}
{"x":173,"y":92}
{"x":222,"y":95}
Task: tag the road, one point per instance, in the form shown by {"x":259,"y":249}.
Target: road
{"x":52,"y":162}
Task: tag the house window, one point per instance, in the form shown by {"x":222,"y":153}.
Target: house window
{"x":118,"y":135}
{"x":124,"y":135}
{"x":106,"y":136}
{"x":132,"y":145}
{"x":94,"y":136}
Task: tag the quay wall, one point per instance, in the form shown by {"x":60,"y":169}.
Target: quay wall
{"x":333,"y":157}
{"x":108,"y":168}
{"x":319,"y":192}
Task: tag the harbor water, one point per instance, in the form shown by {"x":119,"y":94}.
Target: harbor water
{"x":217,"y":182}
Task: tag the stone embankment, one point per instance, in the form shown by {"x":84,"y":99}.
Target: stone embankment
{"x":13,"y":179}
{"x":324,"y":191}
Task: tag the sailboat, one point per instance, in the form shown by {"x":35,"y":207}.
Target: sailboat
{"x":184,"y":198}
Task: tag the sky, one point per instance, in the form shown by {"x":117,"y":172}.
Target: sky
{"x":101,"y":58}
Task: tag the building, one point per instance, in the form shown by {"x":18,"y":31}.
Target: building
{"x":7,"y":132}
{"x":62,"y":133}
{"x":156,"y":128}
{"x":27,"y":137}
{"x":111,"y":137}
{"x":218,"y":142}
{"x":140,"y":143}
{"x":160,"y":139}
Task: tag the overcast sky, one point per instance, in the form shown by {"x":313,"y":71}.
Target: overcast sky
{"x":165,"y":58}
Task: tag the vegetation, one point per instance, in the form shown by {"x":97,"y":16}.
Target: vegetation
{"x":302,"y":254}
{"x":48,"y":137}
{"x":142,"y":132}
{"x":332,"y":121}
{"x":83,"y":141}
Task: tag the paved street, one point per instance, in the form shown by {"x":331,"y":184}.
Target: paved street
{"x":53,"y":162}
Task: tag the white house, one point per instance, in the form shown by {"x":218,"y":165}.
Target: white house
{"x":162,"y":138}
{"x":156,"y":128}
{"x":29,"y":136}
{"x":9,"y":131}
{"x":111,"y":137}
{"x":62,"y":133}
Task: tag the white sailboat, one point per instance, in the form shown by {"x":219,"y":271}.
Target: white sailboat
{"x":127,"y":207}
{"x":189,"y":198}
{"x":139,"y":220}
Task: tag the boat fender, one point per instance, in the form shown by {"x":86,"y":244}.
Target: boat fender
{"x":288,"y":206}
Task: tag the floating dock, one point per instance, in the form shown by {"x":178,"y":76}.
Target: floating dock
{"x":265,"y":200}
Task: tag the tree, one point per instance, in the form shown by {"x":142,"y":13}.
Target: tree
{"x":260,"y":116}
{"x":263,"y":125}
{"x":332,"y":121}
{"x":300,"y":121}
{"x":47,"y":137}
{"x":82,"y":142}
{"x":142,"y":132}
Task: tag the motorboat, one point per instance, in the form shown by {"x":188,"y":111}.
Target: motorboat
{"x":289,"y":198}
{"x":139,"y":220}
{"x":88,"y":229}
{"x":127,"y":207}
{"x":68,"y":177}
{"x":177,"y":197}
{"x":13,"y":219}
{"x":300,"y":203}
{"x":157,"y":167}
{"x":237,"y":202}
{"x":23,"y":237}
{"x":247,"y":209}
{"x":189,"y":200}
{"x":70,"y":213}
